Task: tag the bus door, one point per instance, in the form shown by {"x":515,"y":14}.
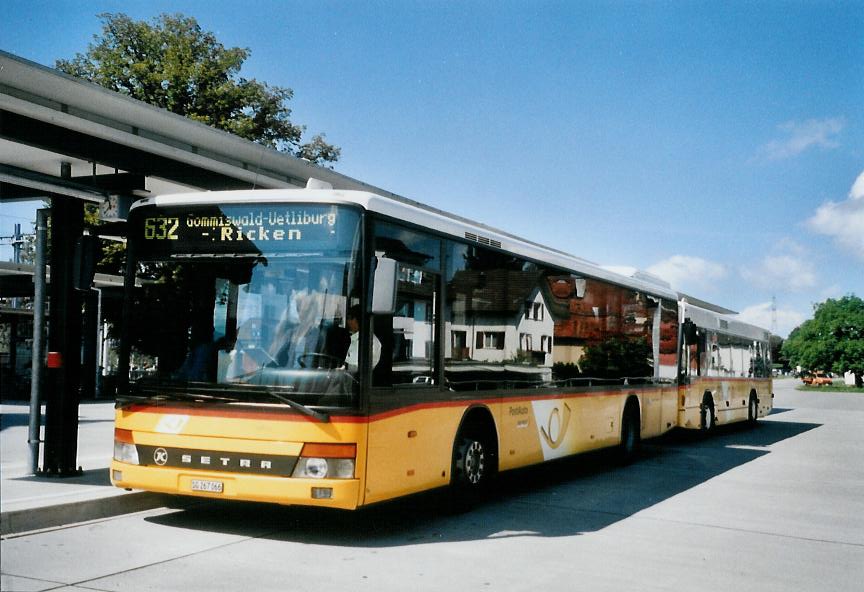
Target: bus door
{"x":405,"y":432}
{"x":410,"y":444}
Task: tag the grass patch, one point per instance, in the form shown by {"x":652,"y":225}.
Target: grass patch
{"x":834,"y":388}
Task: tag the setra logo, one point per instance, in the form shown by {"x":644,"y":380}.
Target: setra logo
{"x":160,"y":456}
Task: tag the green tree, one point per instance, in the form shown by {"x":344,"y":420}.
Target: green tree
{"x":777,"y":357}
{"x":172,"y":63}
{"x":616,"y":358}
{"x":832,"y":340}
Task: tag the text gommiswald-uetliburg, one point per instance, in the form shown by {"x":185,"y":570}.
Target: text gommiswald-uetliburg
{"x":268,"y":225}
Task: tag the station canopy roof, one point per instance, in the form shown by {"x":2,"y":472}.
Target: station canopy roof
{"x":65,"y":137}
{"x":112,"y":144}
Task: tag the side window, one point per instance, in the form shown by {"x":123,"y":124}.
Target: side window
{"x":407,"y":340}
{"x":408,"y":246}
{"x":668,"y":340}
{"x":604,"y":333}
{"x":498,"y":330}
{"x":760,"y":362}
{"x":695,"y":356}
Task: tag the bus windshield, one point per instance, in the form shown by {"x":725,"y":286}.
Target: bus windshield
{"x":226,"y":307}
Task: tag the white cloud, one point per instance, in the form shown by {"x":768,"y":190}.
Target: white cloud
{"x":843,"y":221}
{"x":782,"y":271}
{"x":761,"y":315}
{"x":800,"y":136}
{"x":857,"y":191}
{"x":688,"y":274}
{"x":832,"y":291}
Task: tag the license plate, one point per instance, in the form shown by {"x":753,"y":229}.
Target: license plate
{"x":205,"y":485}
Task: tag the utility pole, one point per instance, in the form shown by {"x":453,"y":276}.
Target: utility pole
{"x":39,"y":299}
{"x":17,"y":241}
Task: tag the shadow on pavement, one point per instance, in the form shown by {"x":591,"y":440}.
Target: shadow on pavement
{"x":14,"y":418}
{"x":20,"y":416}
{"x":580,"y":494}
{"x":89,"y":477}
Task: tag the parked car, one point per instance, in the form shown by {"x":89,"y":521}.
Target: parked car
{"x":817,"y":379}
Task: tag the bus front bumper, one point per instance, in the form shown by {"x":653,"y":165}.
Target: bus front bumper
{"x":330,"y":493}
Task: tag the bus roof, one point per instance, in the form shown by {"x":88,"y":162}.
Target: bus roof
{"x":424,"y":216}
{"x":723,"y":323}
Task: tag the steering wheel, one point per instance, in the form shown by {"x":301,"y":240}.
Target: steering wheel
{"x":318,"y":360}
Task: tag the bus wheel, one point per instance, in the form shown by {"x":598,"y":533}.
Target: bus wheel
{"x":708,"y":418}
{"x":631,"y":437}
{"x":475,"y":461}
{"x":753,"y":410}
{"x":472,"y":463}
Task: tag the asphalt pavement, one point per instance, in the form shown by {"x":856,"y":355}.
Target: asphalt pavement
{"x":774,"y":508}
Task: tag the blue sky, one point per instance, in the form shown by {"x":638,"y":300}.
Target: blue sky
{"x":719,"y":145}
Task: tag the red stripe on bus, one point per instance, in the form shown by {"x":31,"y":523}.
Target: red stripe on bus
{"x":282,"y":416}
{"x":490,"y":401}
{"x":250,"y":414}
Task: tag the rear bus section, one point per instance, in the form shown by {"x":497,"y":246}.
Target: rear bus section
{"x":257,"y":455}
{"x":724,"y":370}
{"x":711,"y":402}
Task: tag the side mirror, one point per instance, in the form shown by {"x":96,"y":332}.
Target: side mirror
{"x":84,"y":267}
{"x":384,"y":286}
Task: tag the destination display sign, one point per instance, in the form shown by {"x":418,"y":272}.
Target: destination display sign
{"x":243,"y":229}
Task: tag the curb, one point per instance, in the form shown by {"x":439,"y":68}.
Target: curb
{"x":20,"y":521}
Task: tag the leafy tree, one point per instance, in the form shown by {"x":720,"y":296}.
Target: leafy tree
{"x":615,"y":358}
{"x":564,"y":371}
{"x":832,"y":340}
{"x":777,"y":356}
{"x":171,"y":63}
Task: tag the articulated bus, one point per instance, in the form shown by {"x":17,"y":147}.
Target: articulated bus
{"x":339,"y":348}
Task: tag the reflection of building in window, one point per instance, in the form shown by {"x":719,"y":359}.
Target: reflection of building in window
{"x":412,"y":326}
{"x":505,"y":311}
{"x":590,"y":313}
{"x":733,"y":356}
{"x":410,"y":275}
{"x":408,"y":337}
{"x":459,"y":345}
{"x":490,"y":340}
{"x":534,"y":310}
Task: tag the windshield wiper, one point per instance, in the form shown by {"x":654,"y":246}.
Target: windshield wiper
{"x":183,"y":395}
{"x":177,"y":393}
{"x":185,"y":392}
{"x":319,"y":415}
{"x":122,"y":399}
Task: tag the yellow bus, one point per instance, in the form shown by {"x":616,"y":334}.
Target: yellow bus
{"x":341,"y":348}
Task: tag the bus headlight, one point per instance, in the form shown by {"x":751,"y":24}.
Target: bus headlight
{"x":331,"y":461}
{"x":320,"y":468}
{"x":125,"y":450}
{"x":316,"y":468}
{"x":125,"y":453}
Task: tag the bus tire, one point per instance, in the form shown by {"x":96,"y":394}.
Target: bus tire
{"x":474,"y":461}
{"x":631,"y":433}
{"x":753,"y":410}
{"x":708,"y":419}
{"x":471,"y":463}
